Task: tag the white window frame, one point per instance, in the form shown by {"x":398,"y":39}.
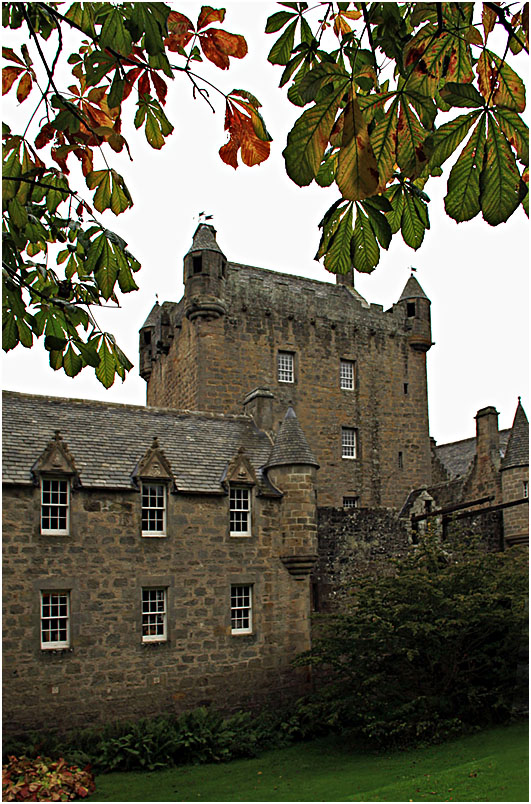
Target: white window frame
{"x":154,"y":509}
{"x":54,"y":619}
{"x":240,"y":510}
{"x":351,"y":501}
{"x":241,"y":608}
{"x":154,"y":617}
{"x":347,"y":374}
{"x":349,"y":443}
{"x":55,"y":504}
{"x":525,"y":488}
{"x":285,"y":367}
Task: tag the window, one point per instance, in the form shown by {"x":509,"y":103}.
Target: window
{"x":285,"y":367}
{"x":153,"y":509}
{"x":241,"y":609}
{"x":153,"y":615}
{"x":400,"y":460}
{"x":55,"y":495}
{"x":351,"y":502}
{"x":526,"y":488}
{"x":55,"y":620}
{"x":411,"y":309}
{"x":197,"y":264}
{"x":240,"y":511}
{"x":346,"y":375}
{"x":349,"y":442}
{"x":406,"y":388}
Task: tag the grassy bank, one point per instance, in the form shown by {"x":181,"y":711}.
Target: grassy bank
{"x":489,"y":766}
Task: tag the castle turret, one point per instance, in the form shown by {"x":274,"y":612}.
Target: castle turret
{"x":515,"y":481}
{"x":416,"y":306}
{"x":147,"y":342}
{"x":205,"y":268}
{"x":292,"y":468}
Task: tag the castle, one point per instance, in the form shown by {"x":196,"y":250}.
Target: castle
{"x":161,"y":557}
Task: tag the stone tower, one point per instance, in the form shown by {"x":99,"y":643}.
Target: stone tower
{"x":355,"y":374}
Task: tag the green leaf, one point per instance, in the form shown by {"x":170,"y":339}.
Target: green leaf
{"x":447,"y":137}
{"x":364,"y":250}
{"x":380,"y":225}
{"x":145,"y":20}
{"x":107,"y":366}
{"x":461,"y":95}
{"x":107,"y":272}
{"x":89,"y":353}
{"x":114,"y":34}
{"x":515,"y":130}
{"x":411,"y":154}
{"x":327,"y":172}
{"x":320,"y":76}
{"x":309,"y":137}
{"x":462,"y":200}
{"x":337,"y":258}
{"x":499,"y":179}
{"x":395,"y":196}
{"x":72,"y":362}
{"x":383,"y":141}
{"x":413,"y":227}
{"x":54,"y":343}
{"x":277,"y":21}
{"x":82,"y":14}
{"x":280,"y":53}
{"x":10,"y":336}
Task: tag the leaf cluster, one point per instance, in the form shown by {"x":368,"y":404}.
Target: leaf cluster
{"x":125,"y":56}
{"x":43,"y":779}
{"x":374,"y":98}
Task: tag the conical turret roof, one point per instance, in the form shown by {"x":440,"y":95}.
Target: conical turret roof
{"x":153,"y":316}
{"x":205,"y":239}
{"x":517,"y":452}
{"x":412,"y":290}
{"x":291,"y":446}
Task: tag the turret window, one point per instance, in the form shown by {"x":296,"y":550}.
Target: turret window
{"x":411,"y":309}
{"x":197,"y":264}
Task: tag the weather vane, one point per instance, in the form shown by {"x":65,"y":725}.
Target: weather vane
{"x":204,"y":217}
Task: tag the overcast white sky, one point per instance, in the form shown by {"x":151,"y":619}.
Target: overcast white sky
{"x":476,"y":276}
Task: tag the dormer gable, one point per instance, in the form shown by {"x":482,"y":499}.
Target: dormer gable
{"x":153,"y":465}
{"x":56,"y":460}
{"x":240,"y":470}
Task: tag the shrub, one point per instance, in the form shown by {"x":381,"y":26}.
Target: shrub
{"x":428,"y":650}
{"x":41,"y":779}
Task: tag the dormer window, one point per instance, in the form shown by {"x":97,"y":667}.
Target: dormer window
{"x":55,"y":504}
{"x":240,"y":511}
{"x":153,"y":509}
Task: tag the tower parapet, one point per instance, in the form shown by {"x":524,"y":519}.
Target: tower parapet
{"x":205,"y":268}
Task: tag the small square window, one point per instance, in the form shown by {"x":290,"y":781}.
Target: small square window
{"x":240,"y":511}
{"x":351,"y":502}
{"x":285,"y":367}
{"x":241,"y":609}
{"x":526,"y":488}
{"x":154,"y":615}
{"x":55,"y":620}
{"x":153,"y":509}
{"x":347,"y":375}
{"x":55,"y":501}
{"x":349,"y":442}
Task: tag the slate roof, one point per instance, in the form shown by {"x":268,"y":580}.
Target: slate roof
{"x":457,"y":456}
{"x":412,"y":290}
{"x":291,"y":446}
{"x":517,"y":453}
{"x":205,"y":239}
{"x":106,"y":441}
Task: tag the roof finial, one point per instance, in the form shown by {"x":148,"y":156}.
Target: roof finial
{"x":202,"y":217}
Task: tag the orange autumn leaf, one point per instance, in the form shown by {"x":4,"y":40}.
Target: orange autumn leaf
{"x":180,"y":29}
{"x":218,"y":45}
{"x":208,"y":15}
{"x":24,"y":87}
{"x":9,"y":76}
{"x":242,"y":138}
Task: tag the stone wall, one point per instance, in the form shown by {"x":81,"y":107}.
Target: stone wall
{"x":108,"y":671}
{"x":515,"y":483}
{"x":319,"y":324}
{"x":353,"y":543}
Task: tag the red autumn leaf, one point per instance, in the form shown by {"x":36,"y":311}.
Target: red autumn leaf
{"x":9,"y":75}
{"x":143,"y":85}
{"x":160,"y":87}
{"x":44,"y":136}
{"x":181,"y":30}
{"x":208,"y":15}
{"x":130,"y":79}
{"x":85,"y":155}
{"x":60,"y":155}
{"x":24,"y":87}
{"x":9,"y":54}
{"x":242,"y":137}
{"x":218,"y":45}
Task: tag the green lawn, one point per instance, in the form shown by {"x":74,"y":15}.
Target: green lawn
{"x":489,"y":766}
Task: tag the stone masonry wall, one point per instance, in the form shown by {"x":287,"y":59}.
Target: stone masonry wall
{"x":515,"y":519}
{"x":320,"y":324}
{"x":108,"y":672}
